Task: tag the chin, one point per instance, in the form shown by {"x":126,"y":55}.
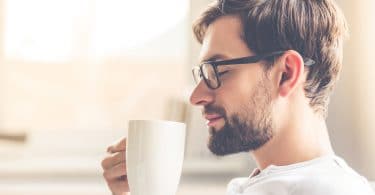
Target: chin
{"x":214,"y":130}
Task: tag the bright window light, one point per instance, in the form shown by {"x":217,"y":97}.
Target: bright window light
{"x":40,"y":30}
{"x":124,"y":24}
{"x":58,"y":31}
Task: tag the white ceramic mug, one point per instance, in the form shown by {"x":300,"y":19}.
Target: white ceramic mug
{"x":154,"y":156}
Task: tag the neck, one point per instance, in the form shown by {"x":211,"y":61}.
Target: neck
{"x":305,"y":140}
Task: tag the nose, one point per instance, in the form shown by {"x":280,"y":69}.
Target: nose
{"x":202,"y":95}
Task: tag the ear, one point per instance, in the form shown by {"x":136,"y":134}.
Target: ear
{"x":291,"y":72}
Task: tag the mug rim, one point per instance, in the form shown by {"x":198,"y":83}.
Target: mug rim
{"x":155,"y":121}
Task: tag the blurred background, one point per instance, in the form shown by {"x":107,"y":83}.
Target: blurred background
{"x":73,"y":72}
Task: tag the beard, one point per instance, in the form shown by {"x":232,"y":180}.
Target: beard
{"x":246,"y":130}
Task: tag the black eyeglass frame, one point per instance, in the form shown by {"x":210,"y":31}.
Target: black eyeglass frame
{"x":238,"y":61}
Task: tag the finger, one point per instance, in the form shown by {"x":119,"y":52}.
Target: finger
{"x":119,"y":187}
{"x":124,"y":177}
{"x":113,"y":160}
{"x":119,"y":146}
{"x":115,"y":172}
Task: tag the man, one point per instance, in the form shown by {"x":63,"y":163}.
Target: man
{"x":268,"y":68}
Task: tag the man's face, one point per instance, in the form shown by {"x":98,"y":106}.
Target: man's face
{"x":238,"y":113}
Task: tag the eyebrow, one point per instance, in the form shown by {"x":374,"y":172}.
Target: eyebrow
{"x":214,"y":58}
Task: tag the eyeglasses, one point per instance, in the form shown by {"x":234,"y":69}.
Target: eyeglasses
{"x":209,"y":73}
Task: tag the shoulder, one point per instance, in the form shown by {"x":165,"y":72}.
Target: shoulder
{"x":333,"y":184}
{"x":331,"y":178}
{"x":319,"y":177}
{"x":303,"y":183}
{"x":323,"y":186}
{"x":236,"y":185}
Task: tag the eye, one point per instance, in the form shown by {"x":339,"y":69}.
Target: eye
{"x":222,"y":72}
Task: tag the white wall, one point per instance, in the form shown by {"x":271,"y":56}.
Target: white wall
{"x":350,"y":120}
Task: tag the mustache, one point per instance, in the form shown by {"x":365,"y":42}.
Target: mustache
{"x":212,"y":109}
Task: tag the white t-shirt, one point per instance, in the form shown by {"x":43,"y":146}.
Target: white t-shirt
{"x":328,"y":175}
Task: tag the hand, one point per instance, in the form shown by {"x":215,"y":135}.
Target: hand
{"x":114,"y":166}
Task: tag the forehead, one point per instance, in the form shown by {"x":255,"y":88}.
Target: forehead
{"x":224,"y":37}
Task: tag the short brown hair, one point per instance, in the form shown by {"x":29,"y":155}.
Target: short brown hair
{"x":314,"y":28}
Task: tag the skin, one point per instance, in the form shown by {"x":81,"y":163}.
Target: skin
{"x":114,"y":168}
{"x":298,"y":134}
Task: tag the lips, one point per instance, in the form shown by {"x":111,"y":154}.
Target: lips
{"x":212,"y":119}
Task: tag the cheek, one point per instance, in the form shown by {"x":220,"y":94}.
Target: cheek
{"x":240,"y":84}
{"x":235,"y":93}
{"x":236,"y":81}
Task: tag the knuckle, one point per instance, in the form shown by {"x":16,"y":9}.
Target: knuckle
{"x":105,"y":175}
{"x":105,"y":162}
